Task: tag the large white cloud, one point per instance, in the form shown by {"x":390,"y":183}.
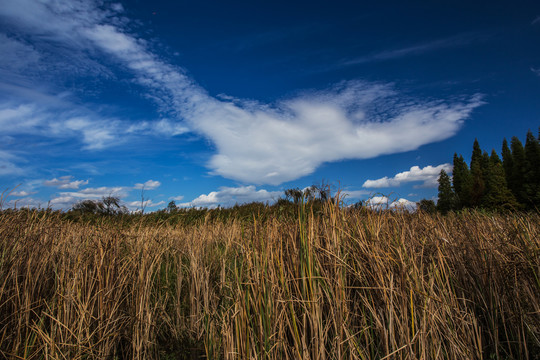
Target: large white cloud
{"x":228,"y":196}
{"x":255,"y":142}
{"x":428,"y":175}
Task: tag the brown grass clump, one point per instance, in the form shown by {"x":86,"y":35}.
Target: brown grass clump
{"x":341,"y":284}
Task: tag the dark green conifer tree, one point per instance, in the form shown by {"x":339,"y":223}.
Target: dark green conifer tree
{"x":508,"y":162}
{"x":532,"y":170}
{"x":519,"y":166}
{"x":461,"y":182}
{"x":447,"y":199}
{"x":477,"y":176}
{"x":497,"y":195}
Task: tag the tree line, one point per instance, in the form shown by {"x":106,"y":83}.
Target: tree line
{"x":512,"y":183}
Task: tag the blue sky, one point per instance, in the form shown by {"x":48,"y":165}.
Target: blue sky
{"x":209,"y":103}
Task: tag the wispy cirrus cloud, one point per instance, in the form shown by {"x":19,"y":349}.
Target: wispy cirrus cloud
{"x":9,"y":164}
{"x":414,"y":50}
{"x":255,"y":142}
{"x":427,"y":175}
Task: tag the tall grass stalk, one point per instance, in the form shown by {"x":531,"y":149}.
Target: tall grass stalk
{"x":335,"y":283}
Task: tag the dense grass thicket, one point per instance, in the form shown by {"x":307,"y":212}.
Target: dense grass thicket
{"x":273,"y":283}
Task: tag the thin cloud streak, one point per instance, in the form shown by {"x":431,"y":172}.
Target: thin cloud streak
{"x":419,"y":49}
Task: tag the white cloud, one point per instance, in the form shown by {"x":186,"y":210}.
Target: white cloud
{"x":377,"y":202}
{"x":427,"y":175}
{"x":383,"y":203}
{"x":26,"y":202}
{"x":177,"y":198}
{"x":65,"y":182}
{"x":164,"y":127}
{"x":536,"y":71}
{"x":403,"y":204}
{"x":149,"y":185}
{"x":136,"y":205}
{"x":22,"y":193}
{"x":228,"y":196}
{"x":255,"y":142}
{"x":259,"y":143}
{"x":19,"y":118}
{"x":66,"y":200}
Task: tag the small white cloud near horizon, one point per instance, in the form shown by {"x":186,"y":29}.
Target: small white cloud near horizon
{"x":177,"y":198}
{"x":383,"y":203}
{"x":229,"y":196}
{"x":22,"y":193}
{"x":149,"y":185}
{"x":65,"y":182}
{"x":137,"y":205}
{"x":66,"y":200}
{"x":403,"y":204}
{"x":428,"y":175}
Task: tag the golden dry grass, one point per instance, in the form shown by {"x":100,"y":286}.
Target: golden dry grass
{"x":342,"y":284}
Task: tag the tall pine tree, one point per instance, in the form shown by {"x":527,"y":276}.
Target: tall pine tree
{"x":497,"y":195}
{"x":508,"y":162}
{"x":461,"y":180}
{"x":477,"y":176}
{"x":519,"y":166}
{"x":447,"y":199}
{"x":532,"y":170}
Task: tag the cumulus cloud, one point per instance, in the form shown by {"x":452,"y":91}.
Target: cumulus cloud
{"x":149,"y":185}
{"x":229,"y":196}
{"x":427,"y":175}
{"x":65,"y":182}
{"x":403,"y":204}
{"x":383,"y":203}
{"x":255,"y":142}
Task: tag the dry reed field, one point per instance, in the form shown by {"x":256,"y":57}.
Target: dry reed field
{"x":334,"y":284}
